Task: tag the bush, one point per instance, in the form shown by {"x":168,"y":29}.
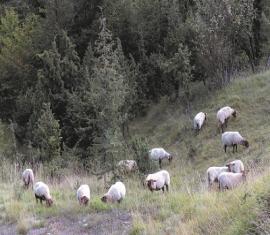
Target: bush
{"x":141,"y":148}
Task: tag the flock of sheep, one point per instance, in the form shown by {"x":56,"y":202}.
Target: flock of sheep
{"x":233,"y":173}
{"x":228,"y":176}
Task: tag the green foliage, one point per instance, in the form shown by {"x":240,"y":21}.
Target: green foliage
{"x":16,"y":53}
{"x":140,"y":148}
{"x":48,"y":135}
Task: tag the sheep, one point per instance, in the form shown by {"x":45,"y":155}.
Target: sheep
{"x":223,"y":115}
{"x":213,"y":173}
{"x":158,"y":180}
{"x":199,"y":120}
{"x":127,"y":166}
{"x":83,"y":194}
{"x":116,"y":193}
{"x":28,"y":177}
{"x":229,"y":180}
{"x":236,"y":166}
{"x":42,"y":192}
{"x":158,"y":154}
{"x":232,"y":138}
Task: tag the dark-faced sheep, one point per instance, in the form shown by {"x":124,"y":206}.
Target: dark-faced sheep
{"x":158,"y":154}
{"x":236,"y":166}
{"x":42,"y":193}
{"x":83,"y":194}
{"x":223,"y":116}
{"x":28,"y":177}
{"x":199,"y":120}
{"x":127,"y":166}
{"x":229,"y":180}
{"x":116,"y":193}
{"x":232,"y":139}
{"x":158,"y":181}
{"x":213,"y":172}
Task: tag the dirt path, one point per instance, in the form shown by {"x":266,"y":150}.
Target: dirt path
{"x":103,"y":223}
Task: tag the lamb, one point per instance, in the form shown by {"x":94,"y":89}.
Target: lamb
{"x":229,"y":180}
{"x":233,"y":138}
{"x":223,"y":115}
{"x":158,"y":180}
{"x":116,"y":193}
{"x":199,"y":120}
{"x":158,"y":154}
{"x":127,"y":166}
{"x":213,"y":173}
{"x":28,"y":177}
{"x":42,"y":192}
{"x":236,"y":166}
{"x":83,"y":194}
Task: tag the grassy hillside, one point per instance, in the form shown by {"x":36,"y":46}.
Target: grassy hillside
{"x":189,"y":208}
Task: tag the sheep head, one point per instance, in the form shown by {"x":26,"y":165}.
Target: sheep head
{"x":106,"y":198}
{"x":170,"y":158}
{"x":151,"y":184}
{"x":84,"y":200}
{"x":229,"y":165}
{"x":205,"y":114}
{"x":49,"y":202}
{"x":234,"y":113}
{"x":245,"y":143}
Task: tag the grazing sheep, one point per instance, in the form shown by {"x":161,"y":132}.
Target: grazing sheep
{"x":158,"y":180}
{"x":223,"y":115}
{"x":236,"y":166}
{"x":233,"y":138}
{"x":158,"y":154}
{"x":116,"y":193}
{"x":213,"y":173}
{"x":127,"y":166}
{"x":229,"y":180}
{"x":28,"y":177}
{"x":83,"y":194}
{"x":199,"y":120}
{"x":42,"y":192}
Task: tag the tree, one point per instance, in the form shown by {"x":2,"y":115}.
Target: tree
{"x":109,"y":91}
{"x":48,"y":135}
{"x":179,"y":68}
{"x":16,"y":56}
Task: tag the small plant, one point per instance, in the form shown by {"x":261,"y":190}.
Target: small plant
{"x":140,"y":148}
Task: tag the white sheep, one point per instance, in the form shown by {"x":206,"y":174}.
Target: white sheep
{"x":42,"y":192}
{"x":229,"y":180}
{"x":116,"y":193}
{"x":28,"y":177}
{"x":158,"y":154}
{"x":223,"y":115}
{"x":236,"y":166}
{"x":199,"y":120}
{"x":83,"y":194}
{"x":127,"y":166}
{"x":233,"y":138}
{"x":213,"y":172}
{"x":158,"y":180}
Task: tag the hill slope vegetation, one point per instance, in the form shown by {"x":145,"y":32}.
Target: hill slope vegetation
{"x":189,"y":208}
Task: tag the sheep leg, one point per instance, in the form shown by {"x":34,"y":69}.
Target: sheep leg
{"x":236,"y":147}
{"x":163,"y":189}
{"x":225,"y":147}
{"x":119,"y":200}
{"x":159,"y":163}
{"x":36,"y":198}
{"x":167,"y":187}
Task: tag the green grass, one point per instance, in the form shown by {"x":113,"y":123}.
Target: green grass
{"x":189,"y":208}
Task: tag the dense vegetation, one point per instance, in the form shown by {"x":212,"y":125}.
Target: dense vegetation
{"x":75,"y":73}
